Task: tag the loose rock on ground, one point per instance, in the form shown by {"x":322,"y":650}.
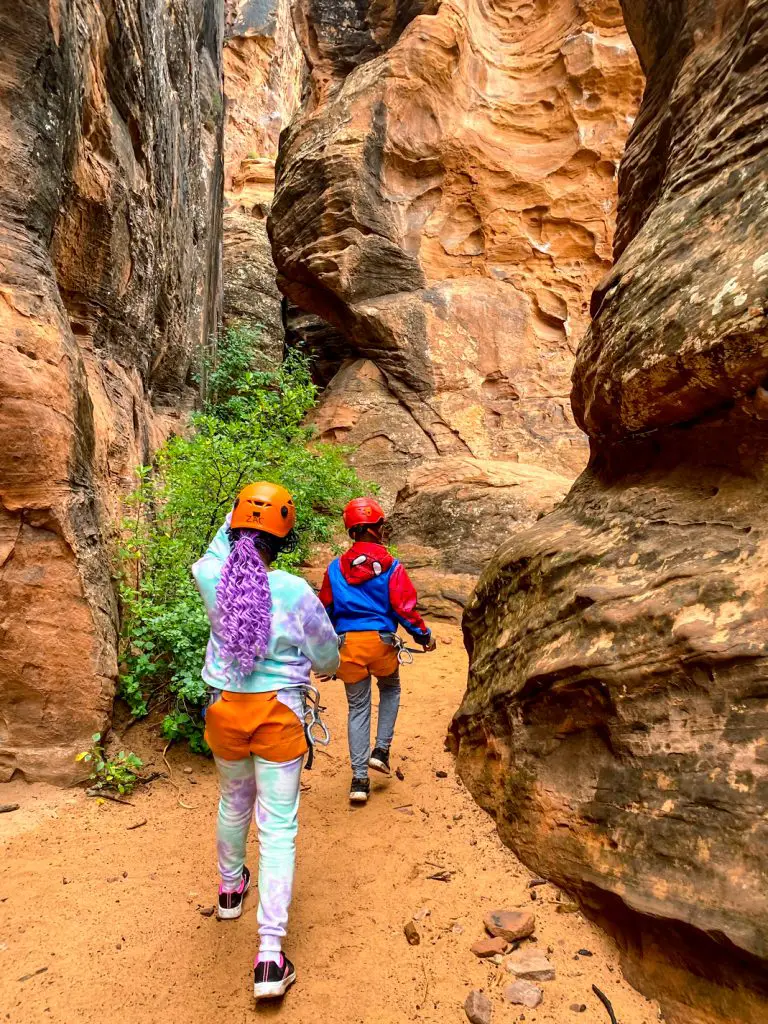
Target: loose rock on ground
{"x":531,"y":966}
{"x":510,"y":924}
{"x":524,"y":993}
{"x":478,"y":1007}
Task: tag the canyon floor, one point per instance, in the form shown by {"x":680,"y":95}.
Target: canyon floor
{"x":99,"y":920}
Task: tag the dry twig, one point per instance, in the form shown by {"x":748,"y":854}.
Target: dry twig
{"x":606,"y":1003}
{"x":187,"y":807}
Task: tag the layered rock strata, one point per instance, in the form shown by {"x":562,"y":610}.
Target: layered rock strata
{"x":445,"y":202}
{"x":615,"y":718}
{"x":110,"y":127}
{"x":263,"y":68}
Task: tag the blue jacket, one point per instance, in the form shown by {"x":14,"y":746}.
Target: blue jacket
{"x":366,"y":589}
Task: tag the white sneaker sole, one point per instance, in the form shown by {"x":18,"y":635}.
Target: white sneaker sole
{"x":273,"y":989}
{"x":230,"y":915}
{"x":358,"y":798}
{"x":379,"y":766}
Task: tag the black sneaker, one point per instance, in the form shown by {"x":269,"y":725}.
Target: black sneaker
{"x":231,"y":903}
{"x":271,"y":980}
{"x":359,"y":790}
{"x":379,"y":760}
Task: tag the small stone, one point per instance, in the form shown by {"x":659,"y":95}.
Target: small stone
{"x":578,"y":1007}
{"x":441,"y":774}
{"x":447,"y":640}
{"x":125,"y":874}
{"x":567,"y":908}
{"x":536,"y":881}
{"x":411,"y":933}
{"x":489,"y":947}
{"x":7,"y":808}
{"x":523,"y":993}
{"x":585,"y":952}
{"x":477,"y":1007}
{"x":510,"y":924}
{"x":113,"y":878}
{"x":532,"y":966}
{"x":207,"y":911}
{"x":187,"y":771}
{"x":400,"y":774}
{"x":458,"y":817}
{"x":533,"y":895}
{"x":421,"y":914}
{"x":498,"y":959}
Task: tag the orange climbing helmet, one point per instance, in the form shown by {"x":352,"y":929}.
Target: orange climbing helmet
{"x":363,"y":512}
{"x":264,"y":506}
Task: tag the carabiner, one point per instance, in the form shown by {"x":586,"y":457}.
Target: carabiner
{"x":312,"y":721}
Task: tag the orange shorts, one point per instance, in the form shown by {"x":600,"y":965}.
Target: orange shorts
{"x":240,"y":724}
{"x":364,"y":654}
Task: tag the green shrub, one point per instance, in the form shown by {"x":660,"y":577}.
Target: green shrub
{"x":118,"y":773}
{"x":250,"y":428}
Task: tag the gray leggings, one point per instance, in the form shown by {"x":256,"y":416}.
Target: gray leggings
{"x":359,"y":726}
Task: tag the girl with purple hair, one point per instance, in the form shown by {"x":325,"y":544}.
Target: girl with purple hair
{"x":268,"y":629}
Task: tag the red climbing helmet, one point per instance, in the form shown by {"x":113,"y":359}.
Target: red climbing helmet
{"x":363,"y":512}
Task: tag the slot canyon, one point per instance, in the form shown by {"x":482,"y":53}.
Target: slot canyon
{"x":524,"y":244}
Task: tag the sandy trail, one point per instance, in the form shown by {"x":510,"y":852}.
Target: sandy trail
{"x":113,"y":915}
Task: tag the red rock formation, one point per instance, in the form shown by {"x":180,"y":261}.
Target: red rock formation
{"x":109,"y":237}
{"x":445,"y":201}
{"x":262,"y":76}
{"x":615,"y":719}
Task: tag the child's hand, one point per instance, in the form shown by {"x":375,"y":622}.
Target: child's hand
{"x":432,"y":645}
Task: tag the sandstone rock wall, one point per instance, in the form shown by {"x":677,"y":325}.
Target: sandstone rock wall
{"x":263,"y":68}
{"x":615,"y":718}
{"x":445,"y":202}
{"x":110,"y":130}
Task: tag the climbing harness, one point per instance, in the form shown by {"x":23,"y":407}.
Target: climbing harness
{"x":313,"y":722}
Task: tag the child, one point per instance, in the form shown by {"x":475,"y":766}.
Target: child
{"x":267,"y":630}
{"x":367,"y":593}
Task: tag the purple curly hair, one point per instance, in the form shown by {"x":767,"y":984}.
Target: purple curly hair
{"x":244,"y":600}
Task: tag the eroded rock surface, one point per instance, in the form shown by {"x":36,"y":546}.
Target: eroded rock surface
{"x":445,"y":202}
{"x":109,"y":246}
{"x":616,"y":713}
{"x":262,"y":76}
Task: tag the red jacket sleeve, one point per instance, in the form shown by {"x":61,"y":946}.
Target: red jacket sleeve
{"x":403,"y":598}
{"x":326,"y":591}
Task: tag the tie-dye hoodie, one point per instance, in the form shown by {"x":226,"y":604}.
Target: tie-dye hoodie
{"x":301,"y":636}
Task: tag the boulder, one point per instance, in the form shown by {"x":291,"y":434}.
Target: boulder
{"x":615,"y":716}
{"x":444,"y":202}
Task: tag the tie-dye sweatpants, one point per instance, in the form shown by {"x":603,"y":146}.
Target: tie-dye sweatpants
{"x":271,"y":790}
